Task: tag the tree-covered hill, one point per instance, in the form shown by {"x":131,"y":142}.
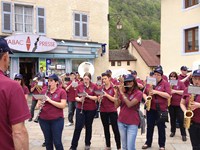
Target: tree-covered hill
{"x":138,"y":17}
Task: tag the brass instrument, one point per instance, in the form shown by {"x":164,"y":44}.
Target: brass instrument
{"x":189,"y":113}
{"x":42,"y":105}
{"x":148,"y":99}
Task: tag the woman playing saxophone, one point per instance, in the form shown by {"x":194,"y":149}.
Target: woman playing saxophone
{"x":194,"y":106}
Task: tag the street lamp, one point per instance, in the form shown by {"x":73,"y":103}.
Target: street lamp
{"x":118,"y":16}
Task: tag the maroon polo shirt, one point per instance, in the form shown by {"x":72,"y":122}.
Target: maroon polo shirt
{"x":176,"y":98}
{"x":196,"y":117}
{"x":162,"y":86}
{"x":164,"y":77}
{"x":106,"y":104}
{"x":71,"y":93}
{"x":138,"y":80}
{"x":88,"y":103}
{"x":49,"y":111}
{"x":13,"y":110}
{"x":35,"y":90}
{"x":114,"y":81}
{"x":130,"y":115}
{"x":26,"y":90}
{"x":187,"y":82}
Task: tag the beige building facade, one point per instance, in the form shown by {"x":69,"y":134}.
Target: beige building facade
{"x":79,"y":28}
{"x":180,"y":34}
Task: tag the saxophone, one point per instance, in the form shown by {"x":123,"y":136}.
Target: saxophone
{"x":189,"y":114}
{"x":148,"y":99}
{"x":169,"y":99}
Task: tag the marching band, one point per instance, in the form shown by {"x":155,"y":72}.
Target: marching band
{"x":118,"y":102}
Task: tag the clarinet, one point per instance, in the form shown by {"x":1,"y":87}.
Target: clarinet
{"x":101,"y":97}
{"x":42,"y":105}
{"x":82,"y":103}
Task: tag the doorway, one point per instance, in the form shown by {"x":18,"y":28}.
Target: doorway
{"x":28,"y":67}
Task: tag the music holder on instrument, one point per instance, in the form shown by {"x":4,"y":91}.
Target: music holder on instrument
{"x":39,"y":96}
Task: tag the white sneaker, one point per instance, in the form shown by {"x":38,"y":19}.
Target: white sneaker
{"x":69,"y":124}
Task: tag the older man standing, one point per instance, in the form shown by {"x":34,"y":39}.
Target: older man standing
{"x":13,"y":110}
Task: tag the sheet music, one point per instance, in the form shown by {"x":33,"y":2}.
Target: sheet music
{"x":151,"y":81}
{"x":194,"y":89}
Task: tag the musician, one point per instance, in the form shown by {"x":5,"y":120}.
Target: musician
{"x":195,"y":107}
{"x":160,"y":95}
{"x":113,"y":81}
{"x":13,"y":107}
{"x":138,"y":80}
{"x":51,"y":118}
{"x":108,"y":111}
{"x":20,"y":80}
{"x":99,"y":86}
{"x":85,"y":111}
{"x":128,"y":120}
{"x":174,"y":109}
{"x":164,"y":77}
{"x":71,"y":89}
{"x":185,"y":76}
{"x":36,"y":88}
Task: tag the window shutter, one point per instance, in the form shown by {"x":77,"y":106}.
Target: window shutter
{"x":84,"y":25}
{"x":6,"y":17}
{"x":41,"y":22}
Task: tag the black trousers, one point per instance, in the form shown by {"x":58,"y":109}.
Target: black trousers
{"x":176,"y":113}
{"x":152,"y":119}
{"x":194,"y":131}
{"x":110,"y":117}
{"x":34,"y":103}
{"x":71,"y":110}
{"x":84,"y":119}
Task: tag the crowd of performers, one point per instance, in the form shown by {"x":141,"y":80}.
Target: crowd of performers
{"x":86,"y":99}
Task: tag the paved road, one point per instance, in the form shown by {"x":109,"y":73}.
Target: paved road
{"x":98,"y":143}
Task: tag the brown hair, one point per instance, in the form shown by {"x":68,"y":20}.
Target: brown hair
{"x":88,"y":75}
{"x":173,"y":74}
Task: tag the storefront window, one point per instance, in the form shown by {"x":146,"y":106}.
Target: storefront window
{"x":75,"y":64}
{"x":57,"y":66}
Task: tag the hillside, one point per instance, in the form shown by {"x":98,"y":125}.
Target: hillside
{"x":138,"y":17}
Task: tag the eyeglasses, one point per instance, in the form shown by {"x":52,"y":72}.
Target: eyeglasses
{"x":173,"y":76}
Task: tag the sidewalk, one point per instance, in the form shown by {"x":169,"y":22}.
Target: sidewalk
{"x":98,"y":142}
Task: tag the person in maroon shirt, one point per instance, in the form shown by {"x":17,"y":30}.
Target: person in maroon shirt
{"x":20,"y":80}
{"x":71,"y":90}
{"x":51,"y":117}
{"x":184,"y":76}
{"x":36,"y":88}
{"x":13,"y":109}
{"x":138,"y":80}
{"x":108,"y":111}
{"x":160,"y":95}
{"x":113,"y":81}
{"x":175,"y":111}
{"x":194,"y":129}
{"x":128,"y":120}
{"x":85,"y":111}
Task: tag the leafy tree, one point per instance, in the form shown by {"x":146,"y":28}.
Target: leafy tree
{"x":138,"y":17}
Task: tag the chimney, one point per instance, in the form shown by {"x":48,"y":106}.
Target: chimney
{"x":139,"y":40}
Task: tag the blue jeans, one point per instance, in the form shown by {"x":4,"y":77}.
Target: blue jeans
{"x":52,"y":130}
{"x":84,"y":119}
{"x":128,"y":135}
{"x":71,"y":110}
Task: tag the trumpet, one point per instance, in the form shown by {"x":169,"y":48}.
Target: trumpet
{"x":42,"y":105}
{"x":148,"y":99}
{"x":189,"y":113}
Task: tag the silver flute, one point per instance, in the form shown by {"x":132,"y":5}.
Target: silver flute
{"x":42,"y":105}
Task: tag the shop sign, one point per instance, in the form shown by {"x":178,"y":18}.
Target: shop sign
{"x":30,"y":43}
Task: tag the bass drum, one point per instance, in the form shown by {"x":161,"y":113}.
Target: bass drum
{"x":85,"y":67}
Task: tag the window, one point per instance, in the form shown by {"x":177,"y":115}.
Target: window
{"x":80,"y":25}
{"x":112,"y":63}
{"x":23,"y":18}
{"x":189,"y":3}
{"x":128,"y":63}
{"x":192,"y":40}
{"x":118,"y":63}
